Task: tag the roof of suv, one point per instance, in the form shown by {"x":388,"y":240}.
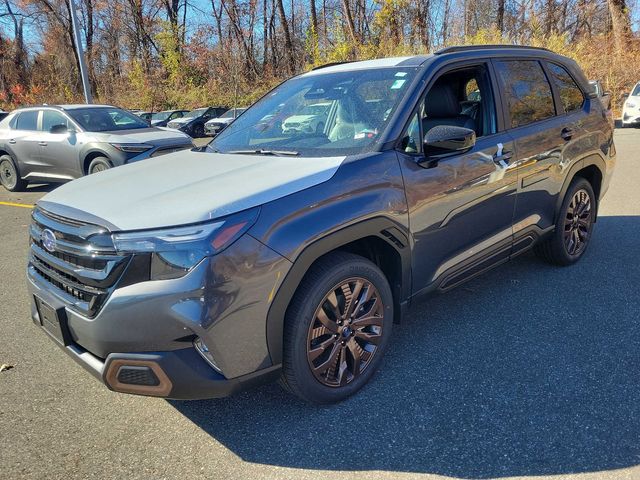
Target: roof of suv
{"x":74,"y":106}
{"x":419,"y":60}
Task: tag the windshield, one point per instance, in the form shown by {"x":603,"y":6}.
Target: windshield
{"x":161,"y":115}
{"x":106,"y":119}
{"x":198,"y":112}
{"x":636,"y":90}
{"x":321,"y":114}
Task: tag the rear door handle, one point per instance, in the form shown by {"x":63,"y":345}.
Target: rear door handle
{"x":12,"y":141}
{"x":566,"y":133}
{"x":42,"y":144}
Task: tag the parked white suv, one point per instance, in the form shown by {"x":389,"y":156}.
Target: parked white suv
{"x":631,"y":108}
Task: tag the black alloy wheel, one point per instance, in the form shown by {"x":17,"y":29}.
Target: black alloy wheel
{"x":574,"y":226}
{"x":343,"y":338}
{"x":577,"y":225}
{"x":337,"y":328}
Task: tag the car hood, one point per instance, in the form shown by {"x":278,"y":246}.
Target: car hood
{"x":299,"y":118}
{"x":186,"y":187}
{"x":183,"y":120}
{"x":152,"y":136}
{"x":219,"y":120}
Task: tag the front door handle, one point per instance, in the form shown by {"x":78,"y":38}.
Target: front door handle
{"x":566,"y":133}
{"x":42,"y":144}
{"x":12,"y":141}
{"x":501,"y":157}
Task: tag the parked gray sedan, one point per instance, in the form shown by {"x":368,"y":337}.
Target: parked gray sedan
{"x":59,"y":143}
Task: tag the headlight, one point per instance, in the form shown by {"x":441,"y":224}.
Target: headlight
{"x":177,"y":250}
{"x":132,"y":147}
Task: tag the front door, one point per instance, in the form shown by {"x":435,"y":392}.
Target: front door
{"x":58,"y":150}
{"x":460,"y":208}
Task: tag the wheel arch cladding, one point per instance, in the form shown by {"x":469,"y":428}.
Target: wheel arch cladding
{"x":592,"y":169}
{"x":377,"y":239}
{"x":89,"y":157}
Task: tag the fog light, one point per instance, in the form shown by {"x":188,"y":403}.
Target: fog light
{"x":204,"y":352}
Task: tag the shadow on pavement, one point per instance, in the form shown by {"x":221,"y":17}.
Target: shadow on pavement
{"x":529,"y":370}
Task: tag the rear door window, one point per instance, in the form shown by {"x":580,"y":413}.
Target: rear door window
{"x":27,"y":120}
{"x":570,"y":94}
{"x":526,"y":90}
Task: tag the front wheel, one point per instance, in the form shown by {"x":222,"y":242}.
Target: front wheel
{"x":573,"y":228}
{"x":99,"y":164}
{"x":336,"y":328}
{"x":10,"y":176}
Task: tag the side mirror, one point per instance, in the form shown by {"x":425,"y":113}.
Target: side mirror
{"x":60,"y":128}
{"x":444,"y":140}
{"x":624,"y":95}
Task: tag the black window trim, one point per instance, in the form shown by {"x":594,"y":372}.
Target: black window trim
{"x":430,"y":77}
{"x":505,"y":107}
{"x":556,"y":90}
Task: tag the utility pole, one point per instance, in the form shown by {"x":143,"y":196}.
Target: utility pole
{"x":83,"y":67}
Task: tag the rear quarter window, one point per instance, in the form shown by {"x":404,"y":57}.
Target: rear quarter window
{"x":527,"y":91}
{"x":570,"y":94}
{"x":27,"y":120}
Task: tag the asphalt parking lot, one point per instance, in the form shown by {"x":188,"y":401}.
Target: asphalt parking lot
{"x":528,"y":371}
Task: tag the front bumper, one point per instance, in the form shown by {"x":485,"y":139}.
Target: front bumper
{"x":213,"y":130}
{"x":223,"y":301}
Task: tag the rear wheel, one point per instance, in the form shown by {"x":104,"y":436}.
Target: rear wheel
{"x":99,"y":164}
{"x":574,"y":226}
{"x":10,"y":176}
{"x":336,"y":328}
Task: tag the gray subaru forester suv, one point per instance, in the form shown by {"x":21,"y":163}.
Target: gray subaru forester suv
{"x":57,"y":143}
{"x":290,"y":255}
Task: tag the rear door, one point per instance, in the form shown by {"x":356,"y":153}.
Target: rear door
{"x":59,"y":150}
{"x":460,"y":208}
{"x":543,"y":142}
{"x":24,"y":142}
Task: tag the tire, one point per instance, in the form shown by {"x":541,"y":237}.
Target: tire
{"x":198,"y":131}
{"x":575,"y":222}
{"x":364,"y":334}
{"x":10,"y":175}
{"x":99,"y":164}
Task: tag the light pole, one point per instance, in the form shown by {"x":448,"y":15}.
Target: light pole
{"x":83,"y":66}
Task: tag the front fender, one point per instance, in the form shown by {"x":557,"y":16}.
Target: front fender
{"x":365,"y":198}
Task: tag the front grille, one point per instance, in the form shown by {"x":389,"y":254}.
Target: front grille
{"x":82,"y":267}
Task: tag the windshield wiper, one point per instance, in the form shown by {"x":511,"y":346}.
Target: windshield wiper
{"x":265,"y":152}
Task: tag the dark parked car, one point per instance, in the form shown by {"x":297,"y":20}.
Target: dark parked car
{"x":192,"y":123}
{"x":291,"y":256}
{"x":3,"y":114}
{"x":59,"y":143}
{"x":161,"y":119}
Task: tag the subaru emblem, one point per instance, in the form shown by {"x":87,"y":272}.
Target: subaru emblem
{"x":48,"y":240}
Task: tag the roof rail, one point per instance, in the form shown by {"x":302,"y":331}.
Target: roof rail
{"x":463,"y":48}
{"x":330,"y":64}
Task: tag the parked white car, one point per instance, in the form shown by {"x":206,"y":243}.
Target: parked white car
{"x":216,"y":125}
{"x":631,"y":108}
{"x":311,"y":118}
